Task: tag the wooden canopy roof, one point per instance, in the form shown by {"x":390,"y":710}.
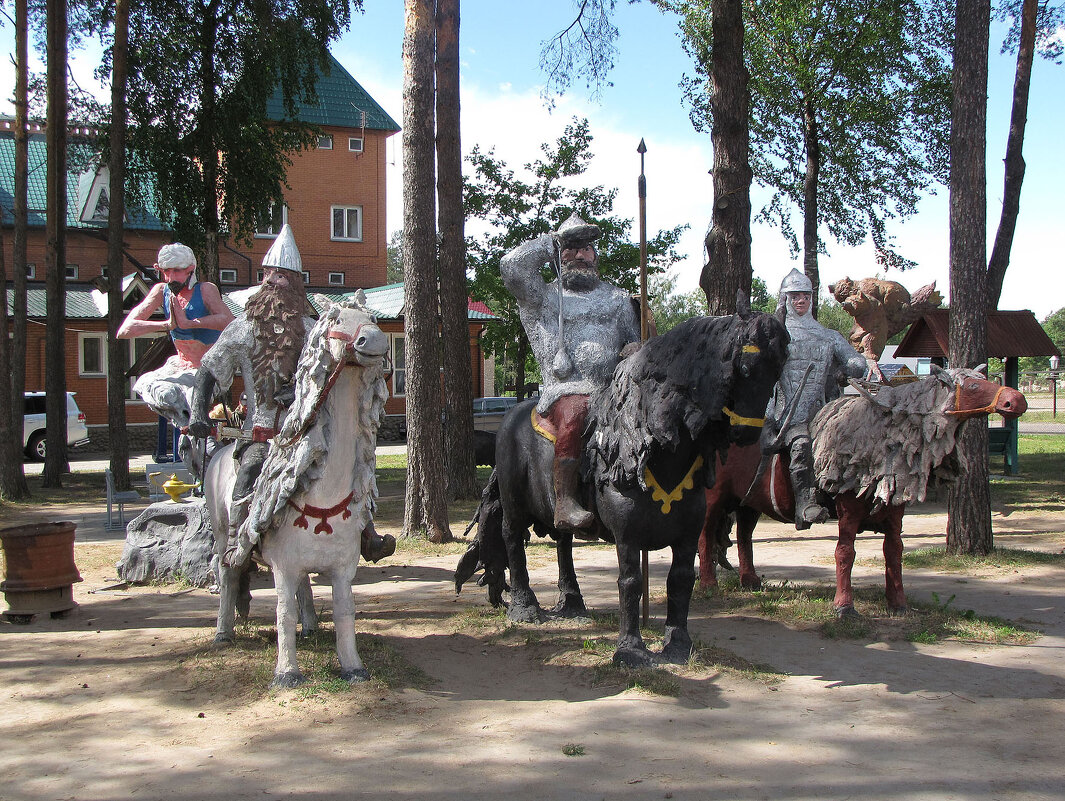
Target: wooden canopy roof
{"x":1009,"y":333}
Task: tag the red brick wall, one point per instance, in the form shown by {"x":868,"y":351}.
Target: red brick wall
{"x":319,"y":179}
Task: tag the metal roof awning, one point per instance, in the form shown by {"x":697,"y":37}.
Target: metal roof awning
{"x":1009,"y":333}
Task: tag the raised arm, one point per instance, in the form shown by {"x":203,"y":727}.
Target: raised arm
{"x":137,"y":323}
{"x":521,"y":269}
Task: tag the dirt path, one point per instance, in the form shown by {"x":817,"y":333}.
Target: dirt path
{"x":122,"y":698}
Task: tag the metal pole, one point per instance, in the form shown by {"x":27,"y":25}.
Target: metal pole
{"x":642,"y":189}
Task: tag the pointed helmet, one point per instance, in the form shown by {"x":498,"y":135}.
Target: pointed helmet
{"x":796,"y":281}
{"x":283,"y":254}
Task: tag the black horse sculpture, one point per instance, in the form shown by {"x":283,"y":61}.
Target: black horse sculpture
{"x":653,"y":437}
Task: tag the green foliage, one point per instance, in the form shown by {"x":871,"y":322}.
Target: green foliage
{"x":517,"y":209}
{"x":832,"y":315}
{"x":394,"y":258}
{"x":669,"y":307}
{"x":200,"y":75}
{"x":869,"y":82}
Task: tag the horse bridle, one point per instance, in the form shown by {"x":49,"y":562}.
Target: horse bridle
{"x":974,"y":412}
{"x":737,"y":419}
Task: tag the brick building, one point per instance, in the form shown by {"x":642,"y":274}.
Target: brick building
{"x":335,"y":204}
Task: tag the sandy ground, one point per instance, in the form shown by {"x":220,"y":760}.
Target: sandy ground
{"x":121,"y":698}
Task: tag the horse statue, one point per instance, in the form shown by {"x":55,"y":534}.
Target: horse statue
{"x":653,"y":438}
{"x":873,"y":455}
{"x":317,"y":489}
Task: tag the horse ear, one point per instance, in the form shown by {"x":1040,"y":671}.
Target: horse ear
{"x":743,"y":303}
{"x":941,"y":374}
{"x":360,"y":298}
{"x":322,"y":303}
{"x":981,"y":368}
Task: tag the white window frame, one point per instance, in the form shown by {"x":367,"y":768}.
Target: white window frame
{"x":227,"y":276}
{"x":268,"y":232}
{"x":84,"y":337}
{"x":336,"y":279}
{"x":259,"y":276}
{"x":72,"y":272}
{"x":399,"y":373}
{"x":346,"y":237}
{"x":323,"y":139}
{"x":31,"y":271}
{"x":306,"y":277}
{"x":352,"y":144}
{"x":130,"y":395}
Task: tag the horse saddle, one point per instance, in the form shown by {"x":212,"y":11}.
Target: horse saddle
{"x":543,"y":426}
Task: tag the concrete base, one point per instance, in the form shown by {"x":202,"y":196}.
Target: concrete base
{"x":167,"y":542}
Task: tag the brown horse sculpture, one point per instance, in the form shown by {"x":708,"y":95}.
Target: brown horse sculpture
{"x":873,"y":455}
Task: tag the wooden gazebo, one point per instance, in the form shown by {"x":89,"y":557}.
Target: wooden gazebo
{"x":1010,"y":335}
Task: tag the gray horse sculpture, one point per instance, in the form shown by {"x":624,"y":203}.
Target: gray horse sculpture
{"x":653,"y":437}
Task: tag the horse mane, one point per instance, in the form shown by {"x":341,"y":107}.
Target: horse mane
{"x":674,"y":387}
{"x":892,"y":447}
{"x":295,"y":460}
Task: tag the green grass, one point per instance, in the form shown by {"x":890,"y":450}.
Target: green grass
{"x":1041,"y":487}
{"x":1002,"y":559}
{"x":810,"y":606}
{"x":247,"y":666}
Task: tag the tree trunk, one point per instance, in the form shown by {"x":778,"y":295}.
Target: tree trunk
{"x":519,"y":367}
{"x":208,"y":151}
{"x":1011,"y":192}
{"x":55,"y":382}
{"x":12,"y":473}
{"x":7,"y":419}
{"x":969,"y":502}
{"x":426,"y":508}
{"x":728,"y":244}
{"x":117,"y":349}
{"x":812,"y":138}
{"x":458,"y":397}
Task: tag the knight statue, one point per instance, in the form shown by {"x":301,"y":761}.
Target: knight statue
{"x":263,"y":344}
{"x":578,"y":326}
{"x":830,"y":360}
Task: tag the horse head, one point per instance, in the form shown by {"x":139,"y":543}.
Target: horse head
{"x":351,"y":331}
{"x":974,"y":395}
{"x":758,"y":351}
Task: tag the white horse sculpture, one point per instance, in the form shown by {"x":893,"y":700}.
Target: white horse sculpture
{"x":317,"y":489}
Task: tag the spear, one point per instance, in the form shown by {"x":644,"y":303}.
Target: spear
{"x":641,"y":185}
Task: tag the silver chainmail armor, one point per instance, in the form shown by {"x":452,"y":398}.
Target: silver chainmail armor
{"x":828,"y":351}
{"x":596,"y":324}
{"x":232,"y":354}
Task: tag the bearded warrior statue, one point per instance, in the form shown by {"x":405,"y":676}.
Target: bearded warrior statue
{"x":830,"y":360}
{"x":264,"y":346}
{"x":577,"y":326}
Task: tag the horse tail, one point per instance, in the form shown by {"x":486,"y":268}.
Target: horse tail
{"x":488,"y":550}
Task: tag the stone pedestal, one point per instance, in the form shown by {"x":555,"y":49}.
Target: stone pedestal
{"x":170,"y":541}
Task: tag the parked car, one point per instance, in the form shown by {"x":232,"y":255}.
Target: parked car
{"x":488,"y":412}
{"x":33,"y":427}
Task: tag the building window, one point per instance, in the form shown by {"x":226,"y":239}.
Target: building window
{"x":259,"y":276}
{"x":31,"y":270}
{"x":336,"y":279}
{"x":72,"y":272}
{"x":92,"y":354}
{"x":103,"y":205}
{"x":355,"y":144}
{"x":306,"y":277}
{"x":271,"y":224}
{"x":347,"y":223}
{"x":137,"y":348}
{"x":399,"y":365}
{"x":227,"y":276}
{"x":325,"y":142}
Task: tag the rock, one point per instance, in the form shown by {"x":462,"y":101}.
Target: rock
{"x":169,"y":541}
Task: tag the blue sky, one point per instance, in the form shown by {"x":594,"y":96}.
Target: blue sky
{"x":501,"y":107}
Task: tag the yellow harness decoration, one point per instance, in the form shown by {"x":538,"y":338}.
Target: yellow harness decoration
{"x":664,"y":498}
{"x":539,"y":429}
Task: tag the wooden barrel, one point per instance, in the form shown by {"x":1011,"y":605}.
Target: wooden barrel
{"x":39,"y":567}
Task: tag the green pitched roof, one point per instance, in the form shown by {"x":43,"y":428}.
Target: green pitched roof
{"x":341,"y":101}
{"x":80,"y":157}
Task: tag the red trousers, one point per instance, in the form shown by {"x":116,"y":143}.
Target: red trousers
{"x":568,"y":414}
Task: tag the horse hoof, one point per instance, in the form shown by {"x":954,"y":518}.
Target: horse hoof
{"x":356,"y":676}
{"x":678,"y":647}
{"x":524,"y":614}
{"x":307,"y":632}
{"x":847,"y":612}
{"x":287,"y":681}
{"x":633,"y":658}
{"x":898,"y":611}
{"x":570,"y":606}
{"x":223,"y":640}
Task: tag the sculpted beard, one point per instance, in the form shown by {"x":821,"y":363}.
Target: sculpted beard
{"x":579,"y":275}
{"x":277,"y":352}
